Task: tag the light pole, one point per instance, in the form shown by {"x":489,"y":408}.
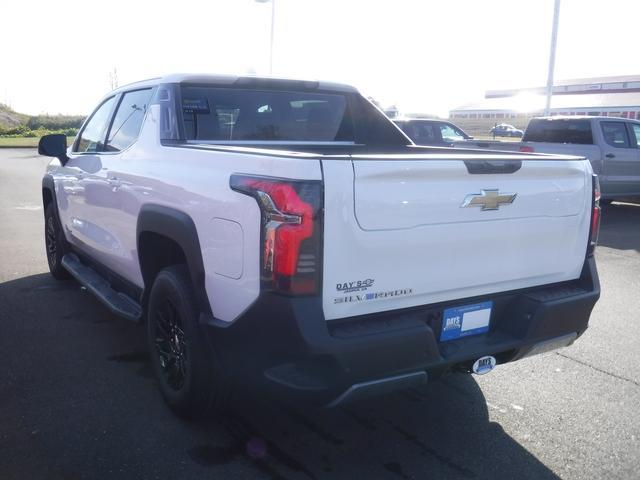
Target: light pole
{"x":273,"y":17}
{"x":552,"y":56}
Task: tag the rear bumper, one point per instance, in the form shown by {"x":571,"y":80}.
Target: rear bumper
{"x":284,"y":344}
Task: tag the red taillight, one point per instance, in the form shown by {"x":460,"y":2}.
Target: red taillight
{"x":290,"y":231}
{"x":595,"y":216}
{"x":526,"y":149}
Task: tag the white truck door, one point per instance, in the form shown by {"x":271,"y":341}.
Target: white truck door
{"x":108,"y":188}
{"x":76,"y":196}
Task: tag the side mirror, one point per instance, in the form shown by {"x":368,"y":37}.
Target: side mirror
{"x":54,"y":146}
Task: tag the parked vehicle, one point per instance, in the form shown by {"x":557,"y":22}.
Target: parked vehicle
{"x":505,"y":130}
{"x":286,"y":235}
{"x":437,"y":133}
{"x":611,"y":144}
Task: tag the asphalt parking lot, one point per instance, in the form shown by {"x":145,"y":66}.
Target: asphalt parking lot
{"x":78,"y":400}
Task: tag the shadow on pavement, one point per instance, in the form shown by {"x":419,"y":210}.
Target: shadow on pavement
{"x":78,"y":401}
{"x":440,"y":431}
{"x":620,"y":226}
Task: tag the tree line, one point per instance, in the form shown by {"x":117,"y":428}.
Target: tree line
{"x":38,"y":125}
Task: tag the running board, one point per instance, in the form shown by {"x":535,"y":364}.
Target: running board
{"x":116,"y":302}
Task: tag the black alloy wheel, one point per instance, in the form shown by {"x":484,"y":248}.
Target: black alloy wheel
{"x":171,"y":345}
{"x":55,"y":243}
{"x":50,"y":236}
{"x":189,"y":373}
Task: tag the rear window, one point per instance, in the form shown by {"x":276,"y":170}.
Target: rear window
{"x":225,"y":114}
{"x":559,"y":131}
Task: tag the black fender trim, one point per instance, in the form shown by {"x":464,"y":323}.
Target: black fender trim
{"x":180,"y":228}
{"x":49,"y":184}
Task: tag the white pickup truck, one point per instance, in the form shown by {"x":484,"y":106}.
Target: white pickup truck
{"x":286,"y":235}
{"x":612,"y":145}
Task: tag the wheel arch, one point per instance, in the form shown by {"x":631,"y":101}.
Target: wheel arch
{"x":48,"y":192}
{"x":173,"y":232}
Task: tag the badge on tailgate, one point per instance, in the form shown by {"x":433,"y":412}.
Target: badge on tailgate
{"x":465,"y":321}
{"x":489,"y":199}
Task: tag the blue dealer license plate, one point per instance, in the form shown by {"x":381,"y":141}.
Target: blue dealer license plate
{"x":465,"y":321}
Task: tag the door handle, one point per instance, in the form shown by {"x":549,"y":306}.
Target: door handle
{"x":115,"y":183}
{"x":610,"y":155}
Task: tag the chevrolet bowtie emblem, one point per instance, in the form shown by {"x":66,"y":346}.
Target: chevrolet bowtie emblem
{"x":488,"y":199}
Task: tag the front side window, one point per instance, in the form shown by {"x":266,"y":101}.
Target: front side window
{"x":94,"y":132}
{"x":615,"y":134}
{"x":450,"y":134}
{"x":128,"y":120}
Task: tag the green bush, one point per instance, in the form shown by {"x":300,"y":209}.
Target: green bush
{"x":16,"y":131}
{"x":23,"y":131}
{"x":54,"y":123}
{"x":38,"y":125}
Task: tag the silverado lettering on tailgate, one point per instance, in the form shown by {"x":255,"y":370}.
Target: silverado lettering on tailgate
{"x":373,"y":296}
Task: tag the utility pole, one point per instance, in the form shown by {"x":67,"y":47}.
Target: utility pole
{"x":113,"y":79}
{"x":552,"y":56}
{"x":273,"y":19}
{"x":273,"y":22}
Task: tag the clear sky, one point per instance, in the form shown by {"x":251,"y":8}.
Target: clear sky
{"x":422,"y":55}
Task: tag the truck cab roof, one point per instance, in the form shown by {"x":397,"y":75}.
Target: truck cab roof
{"x":238,"y":80}
{"x":583,"y":117}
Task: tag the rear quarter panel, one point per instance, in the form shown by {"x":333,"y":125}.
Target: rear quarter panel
{"x":196,"y":182}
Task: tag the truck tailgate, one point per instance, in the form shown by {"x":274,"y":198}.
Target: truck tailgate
{"x":590,"y":152}
{"x":398,"y":233}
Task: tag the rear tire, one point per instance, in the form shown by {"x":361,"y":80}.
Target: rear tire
{"x":55,"y":243}
{"x":189,"y":376}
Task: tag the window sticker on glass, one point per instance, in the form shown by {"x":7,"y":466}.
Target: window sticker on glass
{"x":195,"y":105}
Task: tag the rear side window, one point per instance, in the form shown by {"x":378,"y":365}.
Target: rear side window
{"x":222,"y":114}
{"x":615,"y":134}
{"x":128,"y":120}
{"x":92,"y":137}
{"x":422,"y":132}
{"x":559,"y":131}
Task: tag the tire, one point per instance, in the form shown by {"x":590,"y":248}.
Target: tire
{"x":189,"y":376}
{"x":55,"y":243}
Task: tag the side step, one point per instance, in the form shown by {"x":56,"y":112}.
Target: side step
{"x":116,"y":302}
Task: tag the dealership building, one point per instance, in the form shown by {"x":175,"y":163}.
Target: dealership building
{"x":606,"y":96}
